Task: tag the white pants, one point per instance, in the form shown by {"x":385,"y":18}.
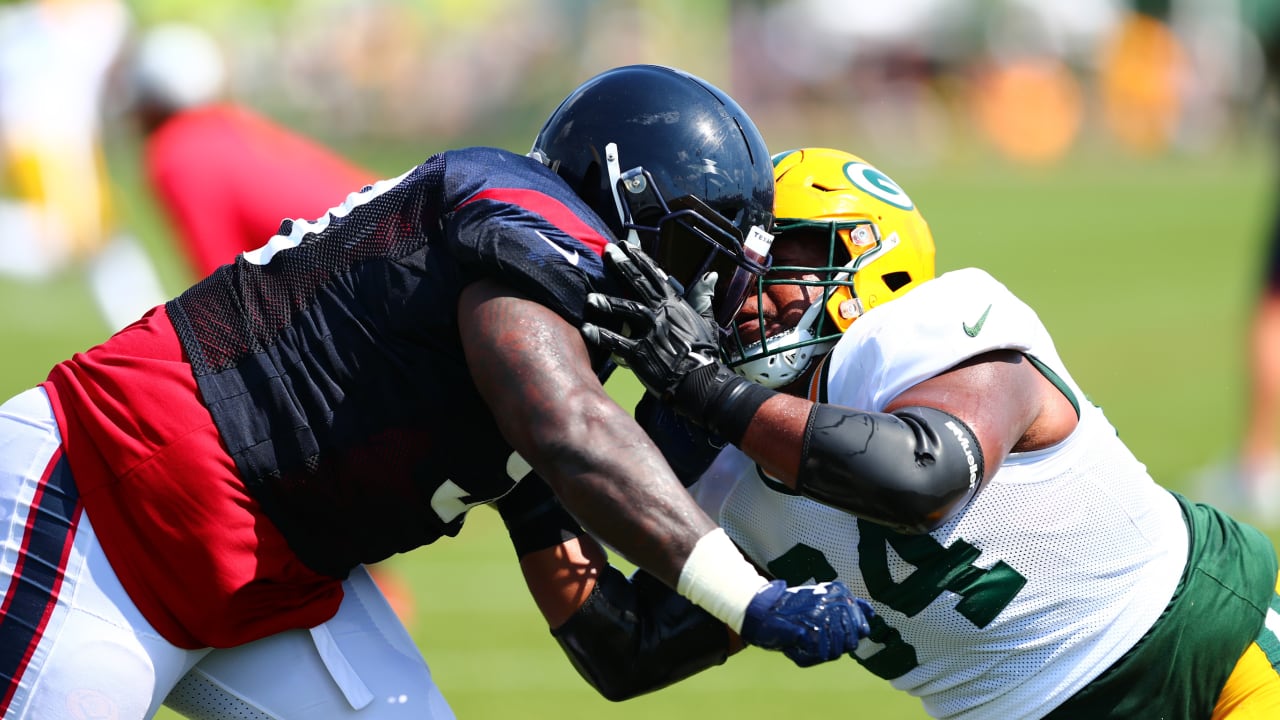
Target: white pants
{"x":73,"y":645}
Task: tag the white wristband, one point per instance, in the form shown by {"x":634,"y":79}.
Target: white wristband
{"x":717,"y":578}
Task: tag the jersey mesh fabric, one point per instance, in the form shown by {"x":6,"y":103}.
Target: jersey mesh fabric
{"x":331,"y":357}
{"x":153,"y":472}
{"x":1189,"y":664}
{"x":985,"y":616}
{"x":283,"y":289}
{"x":197,"y":698}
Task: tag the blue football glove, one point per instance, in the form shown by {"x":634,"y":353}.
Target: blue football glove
{"x":810,"y":624}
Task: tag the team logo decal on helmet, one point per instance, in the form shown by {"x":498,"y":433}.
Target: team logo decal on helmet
{"x":874,"y":182}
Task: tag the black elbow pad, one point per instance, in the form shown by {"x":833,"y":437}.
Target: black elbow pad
{"x":634,"y":636}
{"x":910,"y":469}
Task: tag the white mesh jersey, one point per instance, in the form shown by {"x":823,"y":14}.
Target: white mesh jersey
{"x":1051,"y":573}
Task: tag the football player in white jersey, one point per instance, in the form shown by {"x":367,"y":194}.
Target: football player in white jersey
{"x":934,"y":454}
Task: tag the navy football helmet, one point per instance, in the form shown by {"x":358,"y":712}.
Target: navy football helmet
{"x":673,"y":164}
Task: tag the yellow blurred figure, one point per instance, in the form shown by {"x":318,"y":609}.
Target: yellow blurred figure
{"x":1141,"y":70}
{"x":55,"y":57}
{"x":1031,"y":109}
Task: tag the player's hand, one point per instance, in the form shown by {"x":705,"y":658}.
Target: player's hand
{"x":810,"y":624}
{"x":663,"y":338}
{"x":672,"y":343}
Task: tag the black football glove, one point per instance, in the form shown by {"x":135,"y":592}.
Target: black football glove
{"x":672,"y":345}
{"x":666,"y":338}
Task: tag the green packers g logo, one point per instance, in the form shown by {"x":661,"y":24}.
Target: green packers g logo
{"x":877,"y":184}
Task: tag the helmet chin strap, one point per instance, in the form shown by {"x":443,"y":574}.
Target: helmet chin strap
{"x":615,"y":174}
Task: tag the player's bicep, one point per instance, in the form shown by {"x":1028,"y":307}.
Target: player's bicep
{"x":929,"y":453}
{"x":528,"y":363}
{"x":995,"y":394}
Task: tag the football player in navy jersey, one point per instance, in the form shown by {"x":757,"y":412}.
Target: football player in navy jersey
{"x":188,"y":506}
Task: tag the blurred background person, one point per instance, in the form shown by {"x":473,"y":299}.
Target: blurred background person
{"x":224,"y":175}
{"x":56,"y":57}
{"x":1260,"y":450}
{"x":1235,"y":46}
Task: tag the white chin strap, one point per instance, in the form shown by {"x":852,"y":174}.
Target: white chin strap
{"x":780,"y":368}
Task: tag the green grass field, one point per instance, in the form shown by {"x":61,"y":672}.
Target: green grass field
{"x":1143,"y":271}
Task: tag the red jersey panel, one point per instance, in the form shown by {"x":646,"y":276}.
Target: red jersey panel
{"x":153,"y":473}
{"x":227,"y":177}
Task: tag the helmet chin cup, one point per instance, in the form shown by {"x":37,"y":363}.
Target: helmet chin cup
{"x":780,"y":368}
{"x":779,"y":359}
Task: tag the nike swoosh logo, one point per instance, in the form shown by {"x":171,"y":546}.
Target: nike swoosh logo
{"x":974,"y":329}
{"x":570,"y":255}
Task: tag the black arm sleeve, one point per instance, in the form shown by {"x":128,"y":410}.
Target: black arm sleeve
{"x":534,"y":517}
{"x":634,"y":636}
{"x":910,"y":470}
{"x":630,"y":636}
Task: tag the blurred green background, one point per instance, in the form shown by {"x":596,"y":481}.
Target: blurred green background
{"x":1139,"y":243}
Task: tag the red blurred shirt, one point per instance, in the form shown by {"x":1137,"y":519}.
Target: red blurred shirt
{"x":227,"y":177}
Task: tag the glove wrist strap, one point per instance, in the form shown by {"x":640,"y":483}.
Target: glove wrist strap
{"x":717,"y":578}
{"x":720,"y":400}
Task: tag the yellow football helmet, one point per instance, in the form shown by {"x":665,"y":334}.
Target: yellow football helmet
{"x":880,"y":248}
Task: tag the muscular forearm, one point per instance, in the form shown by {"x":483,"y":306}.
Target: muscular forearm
{"x":625,"y":637}
{"x":612,"y":478}
{"x":775,"y":437}
{"x":534,"y":372}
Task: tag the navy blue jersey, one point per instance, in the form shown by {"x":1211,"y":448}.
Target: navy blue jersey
{"x":331,"y":361}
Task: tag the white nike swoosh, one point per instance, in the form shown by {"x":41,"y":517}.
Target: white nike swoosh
{"x":570,"y":255}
